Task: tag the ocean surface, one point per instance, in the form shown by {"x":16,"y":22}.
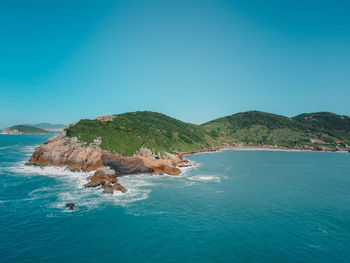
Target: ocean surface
{"x":233,"y":206}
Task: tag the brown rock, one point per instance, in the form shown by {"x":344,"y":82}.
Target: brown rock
{"x":101,"y":177}
{"x":166,"y":169}
{"x":107,"y":189}
{"x":61,"y":151}
{"x":119,"y":187}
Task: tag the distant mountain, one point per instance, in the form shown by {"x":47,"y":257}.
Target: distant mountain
{"x":327,"y":122}
{"x":48,"y":126}
{"x":23,"y":129}
{"x":261,"y":128}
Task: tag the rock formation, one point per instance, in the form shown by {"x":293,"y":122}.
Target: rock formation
{"x":104,"y":118}
{"x":109,"y":188}
{"x":101,"y":177}
{"x":70,"y":206}
{"x":64,"y":151}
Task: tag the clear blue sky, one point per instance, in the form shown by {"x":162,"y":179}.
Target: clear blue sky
{"x":194,"y":60}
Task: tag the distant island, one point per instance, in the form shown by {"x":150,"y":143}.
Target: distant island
{"x":150,"y":142}
{"x":48,"y":126}
{"x":23,"y":129}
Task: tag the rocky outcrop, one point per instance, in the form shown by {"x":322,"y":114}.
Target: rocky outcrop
{"x":119,"y":187}
{"x":163,"y":168}
{"x":101,"y":177}
{"x":104,"y":118}
{"x":109,"y":188}
{"x":70,"y":206}
{"x":107,"y":179}
{"x":125,"y":165}
{"x":62,"y":151}
{"x":212,"y":149}
{"x":145,"y":152}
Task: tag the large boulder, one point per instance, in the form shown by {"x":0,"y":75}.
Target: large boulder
{"x":101,"y":177}
{"x":163,"y":168}
{"x":109,"y":188}
{"x":70,"y":206}
{"x":119,"y":187}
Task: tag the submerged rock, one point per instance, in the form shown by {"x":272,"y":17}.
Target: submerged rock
{"x":70,"y":206}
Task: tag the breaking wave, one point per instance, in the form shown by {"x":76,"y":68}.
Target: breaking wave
{"x":204,"y":178}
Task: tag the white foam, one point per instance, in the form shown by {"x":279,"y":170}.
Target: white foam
{"x":70,"y":185}
{"x":8,"y":147}
{"x":204,"y":178}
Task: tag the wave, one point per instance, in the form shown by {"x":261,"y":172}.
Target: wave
{"x":204,"y":178}
{"x":8,"y":147}
{"x":70,"y":187}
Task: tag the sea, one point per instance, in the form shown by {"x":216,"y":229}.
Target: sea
{"x":232,"y":206}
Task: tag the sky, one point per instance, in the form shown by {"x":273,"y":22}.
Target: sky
{"x":65,"y":60}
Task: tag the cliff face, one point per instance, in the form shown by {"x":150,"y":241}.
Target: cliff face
{"x":63,"y":151}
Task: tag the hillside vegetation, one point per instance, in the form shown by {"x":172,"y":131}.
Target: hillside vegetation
{"x":127,"y":133}
{"x":260,"y":128}
{"x":329,"y":123}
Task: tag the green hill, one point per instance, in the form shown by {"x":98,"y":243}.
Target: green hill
{"x":23,"y":129}
{"x":260,"y":128}
{"x":126,"y":133}
{"x":329,"y":123}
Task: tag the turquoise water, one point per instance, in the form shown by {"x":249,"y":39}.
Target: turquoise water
{"x":234,"y":206}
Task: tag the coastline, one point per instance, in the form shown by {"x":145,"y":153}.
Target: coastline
{"x":263,"y":148}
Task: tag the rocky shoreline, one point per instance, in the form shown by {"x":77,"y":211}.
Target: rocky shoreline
{"x":266,"y":147}
{"x":69,"y":152}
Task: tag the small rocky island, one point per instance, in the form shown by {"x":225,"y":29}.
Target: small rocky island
{"x":24,"y":129}
{"x":76,"y":153}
